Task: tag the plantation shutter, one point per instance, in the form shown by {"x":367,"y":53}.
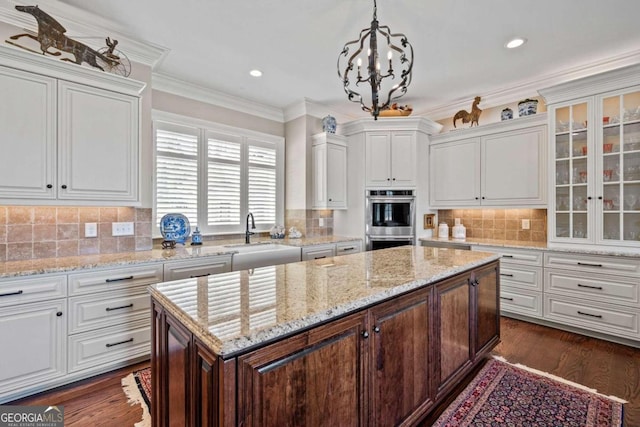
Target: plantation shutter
{"x":176,"y":171}
{"x":224,"y":179}
{"x":262,"y":182}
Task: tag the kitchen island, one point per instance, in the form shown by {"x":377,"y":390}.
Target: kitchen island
{"x":375,"y":338}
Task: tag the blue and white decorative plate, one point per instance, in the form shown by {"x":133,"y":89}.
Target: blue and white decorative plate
{"x":175,"y":226}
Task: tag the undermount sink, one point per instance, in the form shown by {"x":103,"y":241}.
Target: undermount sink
{"x":255,"y":255}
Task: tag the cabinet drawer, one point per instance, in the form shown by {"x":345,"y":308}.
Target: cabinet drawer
{"x":196,"y":268}
{"x":520,"y":276}
{"x":318,"y":251}
{"x":601,"y":317}
{"x":593,"y":286}
{"x":91,"y":312}
{"x":32,"y":289}
{"x":594,"y":263}
{"x":520,"y":301}
{"x":109,"y":346}
{"x":114,"y":278}
{"x":513,"y":255}
{"x":345,"y":248}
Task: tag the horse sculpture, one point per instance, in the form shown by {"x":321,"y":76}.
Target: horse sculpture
{"x":472,"y":117}
{"x":51,"y":35}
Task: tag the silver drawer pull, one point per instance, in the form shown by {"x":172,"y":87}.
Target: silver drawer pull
{"x":505,"y":298}
{"x":587,"y":264}
{"x":200,"y":275}
{"x":121,"y":342}
{"x":11,"y":293}
{"x":119,"y":279}
{"x":580,"y":285}
{"x":119,"y":308}
{"x":598,"y":316}
{"x":506,"y":275}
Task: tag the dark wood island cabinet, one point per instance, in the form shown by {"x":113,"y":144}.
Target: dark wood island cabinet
{"x":372,"y":339}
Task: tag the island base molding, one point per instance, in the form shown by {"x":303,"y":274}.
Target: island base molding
{"x":392,"y":363}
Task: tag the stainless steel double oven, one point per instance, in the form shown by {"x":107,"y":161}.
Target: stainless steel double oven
{"x":390,"y":218}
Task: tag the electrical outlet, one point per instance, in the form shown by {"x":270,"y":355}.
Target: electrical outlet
{"x":122,"y":229}
{"x":90,"y":229}
{"x":526,"y":224}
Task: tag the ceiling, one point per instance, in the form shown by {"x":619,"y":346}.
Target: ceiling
{"x":458,"y":44}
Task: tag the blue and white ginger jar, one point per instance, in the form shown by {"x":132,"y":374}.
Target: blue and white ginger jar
{"x":329,"y":124}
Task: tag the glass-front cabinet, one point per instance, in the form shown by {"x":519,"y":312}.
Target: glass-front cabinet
{"x":596,"y":166}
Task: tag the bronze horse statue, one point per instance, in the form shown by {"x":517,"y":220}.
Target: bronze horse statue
{"x":51,"y":35}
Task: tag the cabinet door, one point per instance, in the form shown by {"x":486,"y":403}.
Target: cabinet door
{"x":378,"y":162}
{"x":336,"y":174}
{"x":98,"y":144}
{"x":455,"y":173}
{"x":298,"y":382}
{"x":487,"y":312}
{"x":403,"y":159}
{"x":514,"y":168}
{"x":171,"y":362}
{"x":453,"y":351}
{"x":401,"y":359}
{"x":34,"y":340}
{"x":27,"y":135}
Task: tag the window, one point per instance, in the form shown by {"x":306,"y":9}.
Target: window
{"x":215,"y":175}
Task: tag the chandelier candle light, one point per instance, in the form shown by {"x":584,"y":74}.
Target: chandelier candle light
{"x":399,"y":51}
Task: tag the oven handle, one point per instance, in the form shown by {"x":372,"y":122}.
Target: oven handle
{"x":384,"y":199}
{"x":399,"y":238}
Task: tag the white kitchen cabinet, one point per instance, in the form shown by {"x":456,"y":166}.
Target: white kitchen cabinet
{"x":329,"y":171}
{"x":521,"y":278}
{"x":390,"y":159}
{"x":28,"y":135}
{"x":197,"y":267}
{"x":72,"y":133}
{"x":501,"y":164}
{"x":594,"y":127}
{"x":318,"y":251}
{"x":97,"y":144}
{"x":34,"y":352}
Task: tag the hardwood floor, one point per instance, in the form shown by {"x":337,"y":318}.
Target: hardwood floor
{"x":610,"y":368}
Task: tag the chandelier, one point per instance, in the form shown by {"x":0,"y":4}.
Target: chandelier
{"x":365,"y":51}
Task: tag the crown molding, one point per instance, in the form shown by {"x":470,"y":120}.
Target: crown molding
{"x":604,"y":82}
{"x":530,"y":88}
{"x":421,"y":124}
{"x":46,"y":65}
{"x":308,"y":107}
{"x":87,"y":28}
{"x":169,"y":84}
{"x":491,"y":128}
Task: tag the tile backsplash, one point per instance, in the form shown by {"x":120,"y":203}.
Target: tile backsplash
{"x":310,"y":222}
{"x":32,"y":232}
{"x":503,"y":224}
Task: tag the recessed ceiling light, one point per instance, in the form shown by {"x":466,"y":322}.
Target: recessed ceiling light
{"x":515,"y":42}
{"x":255,"y":73}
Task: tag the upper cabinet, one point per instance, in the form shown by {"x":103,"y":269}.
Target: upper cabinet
{"x":329,"y":171}
{"x":390,"y":159}
{"x":500,"y":164}
{"x":595,"y":164}
{"x":72,"y":133}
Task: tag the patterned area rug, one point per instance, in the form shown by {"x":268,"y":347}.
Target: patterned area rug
{"x":503,"y":394}
{"x":137,"y":388}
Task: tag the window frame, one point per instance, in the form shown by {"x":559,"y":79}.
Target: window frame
{"x":173,"y":122}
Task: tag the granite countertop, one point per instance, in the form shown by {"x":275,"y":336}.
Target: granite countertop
{"x":517,"y":244}
{"x":209,"y":248}
{"x":233,"y":312}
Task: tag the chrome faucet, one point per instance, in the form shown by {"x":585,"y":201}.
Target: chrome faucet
{"x":248,"y":233}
